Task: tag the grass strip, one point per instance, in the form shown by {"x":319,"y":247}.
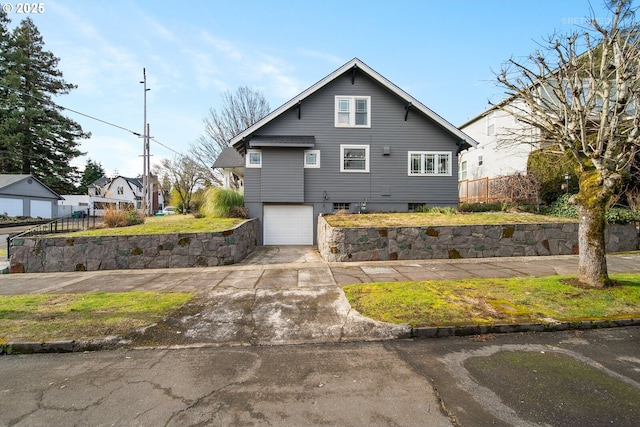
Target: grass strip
{"x":494,"y":301}
{"x":82,"y":316}
{"x":438,"y":219}
{"x":168,"y":224}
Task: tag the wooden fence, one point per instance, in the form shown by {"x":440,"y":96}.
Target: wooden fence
{"x":509,"y":188}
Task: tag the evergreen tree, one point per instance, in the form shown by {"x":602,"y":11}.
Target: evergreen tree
{"x":35,"y":138}
{"x":7,"y":145}
{"x":92,"y":171}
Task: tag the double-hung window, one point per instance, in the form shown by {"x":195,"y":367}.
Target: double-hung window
{"x":423,"y":163}
{"x":354,"y":158}
{"x":353,"y":111}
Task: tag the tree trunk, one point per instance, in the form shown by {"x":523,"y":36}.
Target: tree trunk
{"x":592,"y":265}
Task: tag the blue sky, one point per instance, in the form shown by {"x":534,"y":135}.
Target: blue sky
{"x":440,"y":52}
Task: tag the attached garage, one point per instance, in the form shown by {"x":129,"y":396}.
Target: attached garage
{"x":288,"y":225}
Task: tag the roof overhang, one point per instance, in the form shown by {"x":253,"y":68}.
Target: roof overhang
{"x":282,"y":141}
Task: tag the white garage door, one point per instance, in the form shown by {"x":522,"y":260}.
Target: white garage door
{"x":12,"y":207}
{"x":40,"y":209}
{"x":288,"y":225}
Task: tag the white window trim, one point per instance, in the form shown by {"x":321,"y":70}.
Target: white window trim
{"x":352,"y":111}
{"x":310,"y":166}
{"x":248,"y":164}
{"x":437,"y":153}
{"x":344,"y":147}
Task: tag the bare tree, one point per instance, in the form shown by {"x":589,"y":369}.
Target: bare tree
{"x":581,"y":92}
{"x":239,"y":110}
{"x":184,"y":174}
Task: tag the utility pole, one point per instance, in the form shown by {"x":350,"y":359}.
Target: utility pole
{"x":149,"y":178}
{"x":145,"y":151}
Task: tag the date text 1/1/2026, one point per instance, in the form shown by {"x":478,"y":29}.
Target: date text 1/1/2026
{"x":23,"y":8}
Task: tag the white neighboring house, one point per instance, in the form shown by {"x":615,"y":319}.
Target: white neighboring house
{"x":496,"y":155}
{"x":119,"y":193}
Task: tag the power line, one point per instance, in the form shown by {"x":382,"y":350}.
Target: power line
{"x":89,"y":117}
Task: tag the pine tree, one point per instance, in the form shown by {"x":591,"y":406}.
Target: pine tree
{"x":35,"y":138}
{"x":7,"y":144}
{"x":92,"y":171}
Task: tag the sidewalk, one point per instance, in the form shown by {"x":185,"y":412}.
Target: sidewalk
{"x":284,"y":295}
{"x":294,"y":267}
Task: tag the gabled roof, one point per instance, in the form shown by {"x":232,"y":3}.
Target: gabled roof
{"x":7,"y":180}
{"x":133,"y":181}
{"x":100,"y":182}
{"x":228,"y":158}
{"x":362,"y":67}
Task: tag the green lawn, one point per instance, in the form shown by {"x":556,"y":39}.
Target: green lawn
{"x":50,"y":317}
{"x":165,"y":225}
{"x":431,"y":219}
{"x":493,"y":301}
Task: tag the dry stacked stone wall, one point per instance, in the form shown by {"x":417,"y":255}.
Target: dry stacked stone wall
{"x":468,"y":241}
{"x":34,"y":255}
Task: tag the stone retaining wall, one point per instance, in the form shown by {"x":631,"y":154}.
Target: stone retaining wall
{"x":466,"y":241}
{"x":37,"y":254}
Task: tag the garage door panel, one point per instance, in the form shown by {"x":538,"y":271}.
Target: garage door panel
{"x":288,"y":225}
{"x":12,"y":207}
{"x":40,"y":209}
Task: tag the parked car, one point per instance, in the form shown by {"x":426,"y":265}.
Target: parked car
{"x":169,"y":210}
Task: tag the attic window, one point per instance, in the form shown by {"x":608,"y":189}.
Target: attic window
{"x":352,"y":111}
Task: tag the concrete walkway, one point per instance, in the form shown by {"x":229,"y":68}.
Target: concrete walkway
{"x":285,"y":294}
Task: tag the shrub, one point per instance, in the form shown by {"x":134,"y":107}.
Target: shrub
{"x":622,"y":216}
{"x":223,"y":203}
{"x":437,"y":209}
{"x":115,"y":218}
{"x":562,"y":208}
{"x":549,"y":168}
{"x":481,"y":207}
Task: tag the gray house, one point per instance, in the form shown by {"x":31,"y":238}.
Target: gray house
{"x":24,"y":195}
{"x":352,"y":142}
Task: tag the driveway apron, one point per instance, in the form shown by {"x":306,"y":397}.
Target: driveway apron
{"x":277,"y":295}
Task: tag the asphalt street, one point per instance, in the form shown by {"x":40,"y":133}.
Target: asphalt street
{"x":273,"y":342}
{"x":571,"y":378}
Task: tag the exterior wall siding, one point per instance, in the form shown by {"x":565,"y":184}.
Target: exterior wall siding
{"x":282,"y":165}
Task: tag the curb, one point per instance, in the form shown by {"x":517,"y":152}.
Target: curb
{"x":463,"y":331}
{"x":63,"y":346}
{"x":115,"y":342}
